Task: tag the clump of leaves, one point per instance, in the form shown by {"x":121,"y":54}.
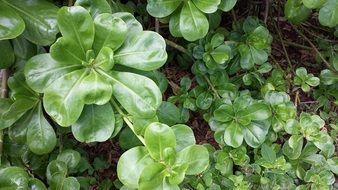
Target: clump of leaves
{"x":305,"y":80}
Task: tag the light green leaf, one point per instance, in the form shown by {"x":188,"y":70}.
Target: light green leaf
{"x":328,"y":14}
{"x":224,"y":113}
{"x":139,"y":95}
{"x":196,"y":164}
{"x":207,"y":6}
{"x":66,"y":50}
{"x":256,"y":111}
{"x":174,"y":24}
{"x":233,"y":135}
{"x":133,"y":25}
{"x":131,"y":165}
{"x":193,"y":23}
{"x":227,"y":5}
{"x":41,"y":138}
{"x":184,"y":136}
{"x":268,"y":153}
{"x":159,"y":137}
{"x":42,"y":70}
{"x":144,"y":51}
{"x":12,"y":24}
{"x":39,"y":17}
{"x":295,"y":11}
{"x":221,"y":54}
{"x":96,"y":124}
{"x":76,"y":24}
{"x":255,"y":133}
{"x":110,"y":31}
{"x":94,"y":7}
{"x":313,"y":4}
{"x":70,"y":157}
{"x":162,"y":8}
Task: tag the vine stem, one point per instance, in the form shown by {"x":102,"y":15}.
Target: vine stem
{"x":212,"y":87}
{"x":4,"y":78}
{"x":314,"y":48}
{"x":176,"y":46}
{"x":127,"y":120}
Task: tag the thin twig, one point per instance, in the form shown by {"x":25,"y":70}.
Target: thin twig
{"x":4,"y":78}
{"x":283,"y":45}
{"x":212,"y":87}
{"x":157,"y":25}
{"x":266,"y":12}
{"x":176,"y":46}
{"x":314,"y":48}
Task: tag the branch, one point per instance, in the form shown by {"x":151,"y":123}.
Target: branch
{"x":4,"y":78}
{"x":176,"y":46}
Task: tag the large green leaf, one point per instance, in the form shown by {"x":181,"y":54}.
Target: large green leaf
{"x":256,"y":111}
{"x":110,"y":31}
{"x":207,"y":6}
{"x":133,"y":25}
{"x":154,"y":178}
{"x":13,"y":25}
{"x":13,"y":178}
{"x":328,"y":14}
{"x":131,"y":165}
{"x":255,"y":133}
{"x":196,"y":157}
{"x":66,"y":50}
{"x":70,"y":157}
{"x":139,"y":95}
{"x":174,"y":24}
{"x":96,"y":124}
{"x":158,"y":139}
{"x":184,"y":136}
{"x":144,"y":51}
{"x":194,"y":24}
{"x":42,"y":70}
{"x":295,"y":11}
{"x":39,"y":17}
{"x":162,"y":8}
{"x":75,"y":23}
{"x":233,"y":135}
{"x":7,"y":54}
{"x":41,"y":138}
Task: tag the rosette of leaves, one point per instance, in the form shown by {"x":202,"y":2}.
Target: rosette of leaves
{"x":35,"y":20}
{"x":305,"y":80}
{"x":215,"y":53}
{"x":57,"y":174}
{"x":308,"y":127}
{"x":242,"y":119}
{"x":78,"y":76}
{"x":298,"y":11}
{"x":168,"y":156}
{"x":187,"y":19}
{"x":282,"y":109}
{"x":254,"y":43}
{"x":23,"y":114}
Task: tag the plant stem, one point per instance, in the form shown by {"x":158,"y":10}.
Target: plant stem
{"x":176,"y":46}
{"x":283,"y":45}
{"x":266,"y":12}
{"x":157,"y":25}
{"x":4,"y":77}
{"x":314,"y":48}
{"x":212,"y":87}
{"x":126,"y":120}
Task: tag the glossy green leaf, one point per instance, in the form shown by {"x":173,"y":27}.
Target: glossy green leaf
{"x":94,"y":7}
{"x":14,"y":24}
{"x":221,"y":54}
{"x":184,"y":136}
{"x":162,"y":8}
{"x":76,"y":24}
{"x":144,"y":51}
{"x":196,"y":164}
{"x":174,"y":24}
{"x":69,"y":157}
{"x":42,"y":70}
{"x":13,"y":178}
{"x":41,"y":138}
{"x":66,"y":50}
{"x":333,"y":164}
{"x":313,"y":4}
{"x":159,"y":137}
{"x":137,"y":94}
{"x":268,"y":153}
{"x":257,"y":111}
{"x":204,"y":100}
{"x":5,"y":104}
{"x":96,"y":124}
{"x":60,"y":182}
{"x":168,"y":113}
{"x":133,"y":25}
{"x":56,"y":167}
{"x":328,"y":14}
{"x":224,"y":113}
{"x":255,"y":133}
{"x":154,"y":178}
{"x":7,"y":54}
{"x":193,"y":23}
{"x":131,"y":165}
{"x":295,"y":11}
{"x":207,"y":6}
{"x":36,"y":184}
{"x":227,"y":5}
{"x":233,"y":135}
{"x":39,"y":17}
{"x":110,"y":31}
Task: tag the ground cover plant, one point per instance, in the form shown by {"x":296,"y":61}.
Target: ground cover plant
{"x":169,"y":94}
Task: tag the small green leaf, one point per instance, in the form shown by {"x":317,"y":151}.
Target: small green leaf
{"x":162,"y":8}
{"x":196,"y":164}
{"x":69,"y":157}
{"x":255,"y":133}
{"x":233,"y":135}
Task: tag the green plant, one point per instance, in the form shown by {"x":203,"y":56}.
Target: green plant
{"x":305,"y":80}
